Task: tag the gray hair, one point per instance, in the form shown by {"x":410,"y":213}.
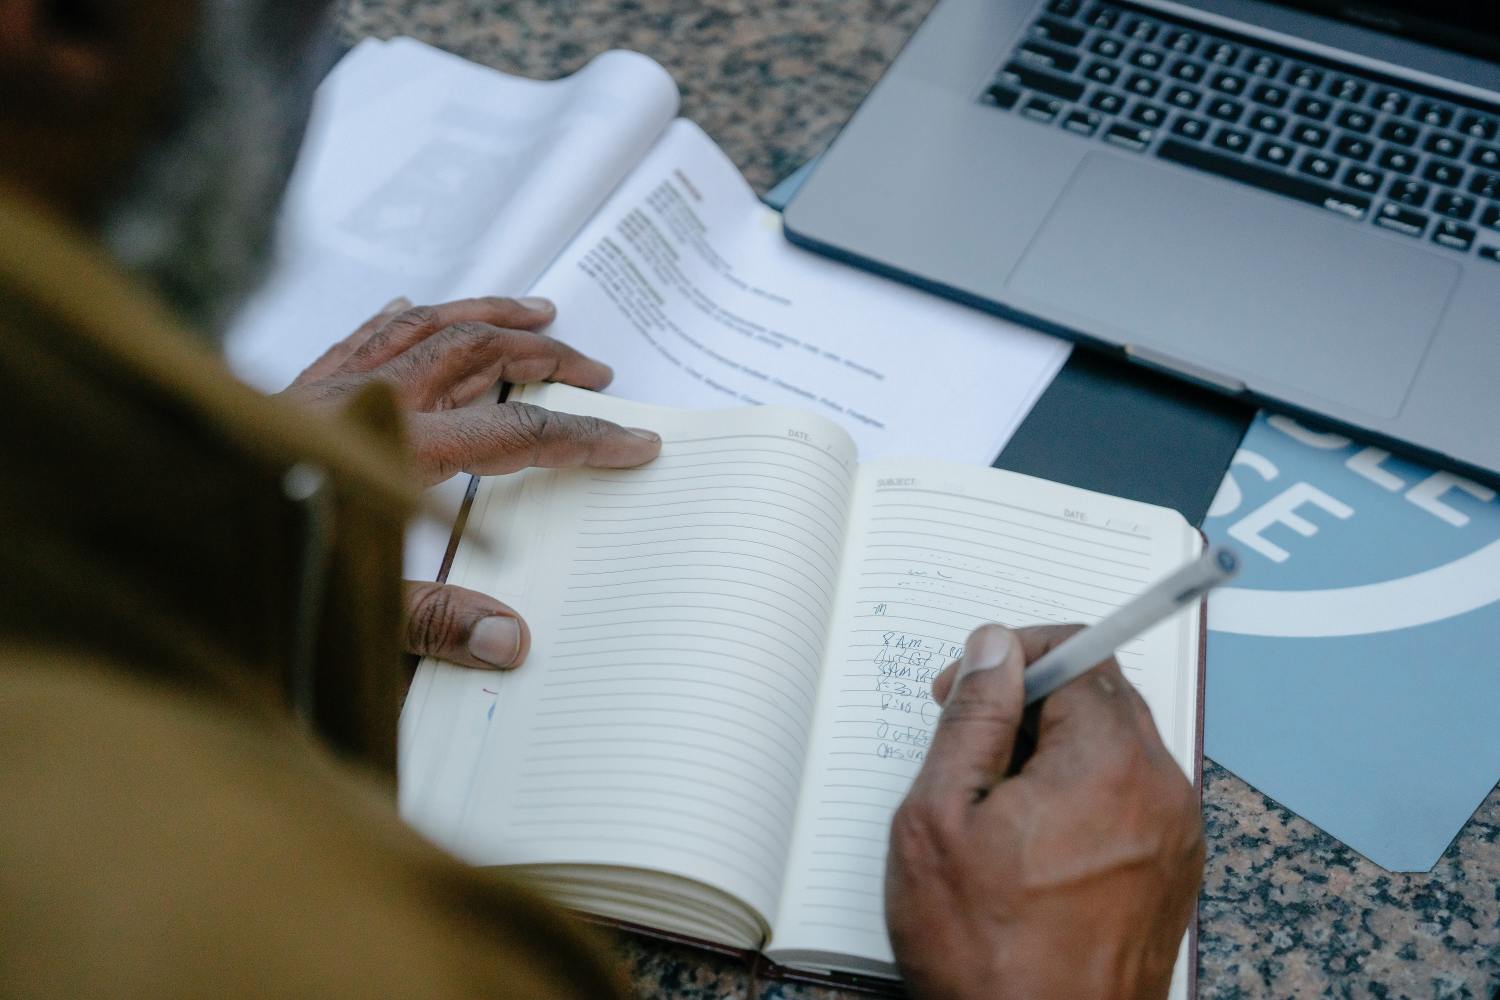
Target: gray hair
{"x":196,"y":217}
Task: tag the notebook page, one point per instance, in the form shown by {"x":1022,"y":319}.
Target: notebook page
{"x":679,"y":615}
{"x":936,"y":550}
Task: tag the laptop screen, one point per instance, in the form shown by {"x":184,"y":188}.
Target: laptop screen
{"x":1471,"y":26}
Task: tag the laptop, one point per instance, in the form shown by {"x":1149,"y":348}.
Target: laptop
{"x":1297,"y":204}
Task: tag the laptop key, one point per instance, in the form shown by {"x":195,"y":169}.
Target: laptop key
{"x":1398,"y":160}
{"x":1065,"y":8}
{"x":1441,"y":144}
{"x":1491,"y":254}
{"x":1491,"y":218}
{"x":1308,"y":134}
{"x":1141,"y":29}
{"x":1129,"y":136}
{"x":1304,"y":77}
{"x":1050,"y":29}
{"x":1109,"y":48}
{"x":1408,"y":192}
{"x":1232,"y":139}
{"x":1485,"y":156}
{"x":1150,"y":115}
{"x":1477,"y":127}
{"x":1046,"y":56}
{"x":1189,"y":127}
{"x":1346,"y":89}
{"x":1271,"y":179}
{"x":1228,"y":83}
{"x":1355,"y":120}
{"x":1398,"y":219}
{"x":1187,"y":71}
{"x":1107,"y":102}
{"x":1392,"y":102}
{"x":1363,"y":179}
{"x":1147,"y":59}
{"x":1083,"y":122}
{"x":1319,"y":166}
{"x":1225,"y":110}
{"x":1184,"y":97}
{"x":1102,"y":72}
{"x":1042,"y":82}
{"x":1315,"y":108}
{"x":1102,"y":17}
{"x":1002,"y":96}
{"x":1354,"y":148}
{"x":1399,"y":132}
{"x":1454,"y":235}
{"x":1270,"y":95}
{"x":1183,"y":42}
{"x":1142,"y":85}
{"x":1275,"y":152}
{"x":1043,"y":109}
{"x":1221,"y":53}
{"x":1268,"y":122}
{"x":1454,"y":206}
{"x":1443,"y":173}
{"x":1436,"y":115}
{"x":1261,"y":64}
{"x":1485,"y":185}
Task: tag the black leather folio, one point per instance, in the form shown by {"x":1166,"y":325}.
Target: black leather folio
{"x":1108,"y":425}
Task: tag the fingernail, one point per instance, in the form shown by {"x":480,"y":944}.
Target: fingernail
{"x":536,"y":303}
{"x":645,"y":435}
{"x":985,"y":649}
{"x":496,"y":641}
{"x":397,"y":304}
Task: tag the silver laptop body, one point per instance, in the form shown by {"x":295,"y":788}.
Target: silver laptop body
{"x":1328,"y":241}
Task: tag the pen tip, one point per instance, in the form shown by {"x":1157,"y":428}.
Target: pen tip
{"x":1229,"y":562}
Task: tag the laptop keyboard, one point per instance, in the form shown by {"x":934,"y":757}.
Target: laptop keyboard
{"x":1372,"y":149}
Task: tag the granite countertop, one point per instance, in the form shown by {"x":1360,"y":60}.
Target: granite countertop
{"x":1286,"y":910}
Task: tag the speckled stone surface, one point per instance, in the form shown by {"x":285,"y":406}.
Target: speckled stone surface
{"x":1286,"y":910}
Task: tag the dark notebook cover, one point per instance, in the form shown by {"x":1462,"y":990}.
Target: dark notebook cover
{"x":1108,"y":425}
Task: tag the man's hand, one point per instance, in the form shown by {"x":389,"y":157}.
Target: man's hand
{"x":1075,"y":876}
{"x":439,"y":358}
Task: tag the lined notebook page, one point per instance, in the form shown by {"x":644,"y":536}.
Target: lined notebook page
{"x":679,"y":615}
{"x":934,"y":551}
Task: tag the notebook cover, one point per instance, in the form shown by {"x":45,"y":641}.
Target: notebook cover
{"x":1108,"y":425}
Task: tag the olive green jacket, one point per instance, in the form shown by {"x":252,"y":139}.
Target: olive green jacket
{"x":200,"y":678}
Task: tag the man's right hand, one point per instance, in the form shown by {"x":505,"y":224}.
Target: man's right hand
{"x":1075,"y":876}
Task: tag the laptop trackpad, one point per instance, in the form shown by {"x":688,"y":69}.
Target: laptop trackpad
{"x":1240,"y":282}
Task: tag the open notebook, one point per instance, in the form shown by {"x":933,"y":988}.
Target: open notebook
{"x":729,"y":687}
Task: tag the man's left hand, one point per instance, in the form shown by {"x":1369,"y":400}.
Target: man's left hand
{"x":438,"y":359}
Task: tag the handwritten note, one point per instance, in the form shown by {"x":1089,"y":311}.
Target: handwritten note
{"x":929,"y":561}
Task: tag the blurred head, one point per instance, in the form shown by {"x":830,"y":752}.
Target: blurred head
{"x":167,"y":127}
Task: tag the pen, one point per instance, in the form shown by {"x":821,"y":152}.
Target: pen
{"x":1095,"y":644}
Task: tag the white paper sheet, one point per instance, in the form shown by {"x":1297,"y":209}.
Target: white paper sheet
{"x":685,"y":284}
{"x":428,"y":176}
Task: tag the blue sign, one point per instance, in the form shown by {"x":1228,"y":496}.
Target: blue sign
{"x":1353,"y":671}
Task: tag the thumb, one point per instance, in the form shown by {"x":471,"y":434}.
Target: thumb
{"x":464,"y":627}
{"x":977,"y":730}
